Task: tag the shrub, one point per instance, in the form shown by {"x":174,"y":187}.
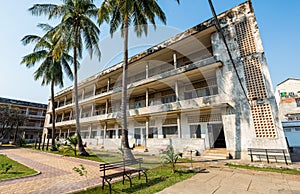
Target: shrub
{"x":5,"y":167}
{"x":169,"y":156}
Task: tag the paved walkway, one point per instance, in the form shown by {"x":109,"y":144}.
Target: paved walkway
{"x":56,"y":175}
{"x":220,"y":179}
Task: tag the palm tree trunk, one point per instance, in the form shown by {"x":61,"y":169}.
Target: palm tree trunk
{"x":53,"y":147}
{"x":16,"y":131}
{"x":81,"y":149}
{"x":125,"y":142}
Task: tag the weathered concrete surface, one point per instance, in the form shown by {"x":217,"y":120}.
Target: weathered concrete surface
{"x":220,"y":179}
{"x":56,"y":175}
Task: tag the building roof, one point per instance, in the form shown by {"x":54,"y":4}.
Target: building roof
{"x":288,"y":79}
{"x":22,"y":103}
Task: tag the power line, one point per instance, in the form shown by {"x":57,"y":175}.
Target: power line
{"x":227,"y":48}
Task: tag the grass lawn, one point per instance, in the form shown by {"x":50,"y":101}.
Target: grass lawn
{"x":158,"y":178}
{"x":266,"y":169}
{"x":92,"y":156}
{"x":17,"y":170}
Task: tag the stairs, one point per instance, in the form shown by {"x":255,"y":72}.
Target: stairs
{"x":216,"y":154}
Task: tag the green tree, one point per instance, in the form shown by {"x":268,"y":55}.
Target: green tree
{"x":123,"y":13}
{"x":72,"y":143}
{"x":76,"y":30}
{"x":51,"y":66}
{"x":4,"y":119}
{"x":169,"y":156}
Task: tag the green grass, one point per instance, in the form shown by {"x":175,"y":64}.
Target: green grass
{"x":159,"y":178}
{"x":17,"y":170}
{"x":92,"y":156}
{"x":266,"y":169}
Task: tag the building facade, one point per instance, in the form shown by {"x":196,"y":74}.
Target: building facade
{"x":34,"y":117}
{"x":288,"y":100}
{"x":184,"y":91}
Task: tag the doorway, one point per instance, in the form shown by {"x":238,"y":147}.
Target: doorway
{"x":216,"y":136}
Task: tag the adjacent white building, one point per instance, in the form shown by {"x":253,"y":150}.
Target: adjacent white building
{"x":288,"y":100}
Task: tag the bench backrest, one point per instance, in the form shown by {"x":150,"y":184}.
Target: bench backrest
{"x":261,"y":150}
{"x":121,"y":165}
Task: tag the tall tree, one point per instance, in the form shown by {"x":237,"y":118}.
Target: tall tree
{"x":122,"y":14}
{"x":51,"y":66}
{"x":77,"y":29}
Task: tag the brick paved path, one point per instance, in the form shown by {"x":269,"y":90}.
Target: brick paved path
{"x":56,"y":175}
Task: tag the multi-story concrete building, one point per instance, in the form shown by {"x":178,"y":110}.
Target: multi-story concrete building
{"x":34,"y":114}
{"x":288,"y":99}
{"x":184,"y":91}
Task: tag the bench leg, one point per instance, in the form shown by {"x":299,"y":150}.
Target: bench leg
{"x":103,"y":183}
{"x":128,"y":176}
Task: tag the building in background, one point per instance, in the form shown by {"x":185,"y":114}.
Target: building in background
{"x":34,"y":117}
{"x":288,"y":99}
{"x":184,"y":91}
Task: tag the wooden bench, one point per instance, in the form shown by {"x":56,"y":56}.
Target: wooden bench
{"x":122,"y":169}
{"x":276,"y":154}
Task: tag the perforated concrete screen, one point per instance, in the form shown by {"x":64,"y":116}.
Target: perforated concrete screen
{"x":245,"y":38}
{"x":261,"y":113}
{"x":254,"y":79}
{"x":263,"y":121}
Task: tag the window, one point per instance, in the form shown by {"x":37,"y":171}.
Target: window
{"x":287,"y":129}
{"x":152,"y":133}
{"x":171,"y":131}
{"x":195,"y":131}
{"x":297,"y":129}
{"x":298,"y":102}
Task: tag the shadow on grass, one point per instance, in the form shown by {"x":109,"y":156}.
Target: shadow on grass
{"x":139,"y":186}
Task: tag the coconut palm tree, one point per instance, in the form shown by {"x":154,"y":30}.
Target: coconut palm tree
{"x":123,"y":13}
{"x":51,"y":67}
{"x":76,"y":30}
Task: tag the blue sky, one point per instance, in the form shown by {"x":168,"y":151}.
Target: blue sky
{"x":278,"y":23}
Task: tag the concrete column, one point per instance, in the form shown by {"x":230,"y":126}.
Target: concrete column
{"x":147,"y":97}
{"x":59,"y":136}
{"x":175,"y":60}
{"x":71,"y":115}
{"x":179,"y":126}
{"x":94,"y":90}
{"x":82,"y":94}
{"x":106,"y":106}
{"x":117,"y":130}
{"x":27,"y":111}
{"x":90,"y":131}
{"x":147,"y":129}
{"x":65,"y":101}
{"x":92,"y":109}
{"x":57,"y":104}
{"x":80,"y":111}
{"x":62,"y":116}
{"x":158,"y":123}
{"x":147,"y":70}
{"x":204,"y":134}
{"x":104,"y":132}
{"x":68,"y":135}
{"x":108,"y":84}
{"x":176,"y":91}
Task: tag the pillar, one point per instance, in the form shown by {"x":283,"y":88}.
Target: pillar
{"x":82,"y":95}
{"x":147,"y":70}
{"x":147,"y":97}
{"x":108,"y":84}
{"x":94,"y":90}
{"x":90,"y":131}
{"x":92,"y":109}
{"x":176,"y":91}
{"x":65,"y":101}
{"x":106,"y":106}
{"x":179,"y":126}
{"x":175,"y":60}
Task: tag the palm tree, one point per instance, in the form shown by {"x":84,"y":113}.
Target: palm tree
{"x":123,"y":13}
{"x":51,"y":67}
{"x":76,"y":30}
